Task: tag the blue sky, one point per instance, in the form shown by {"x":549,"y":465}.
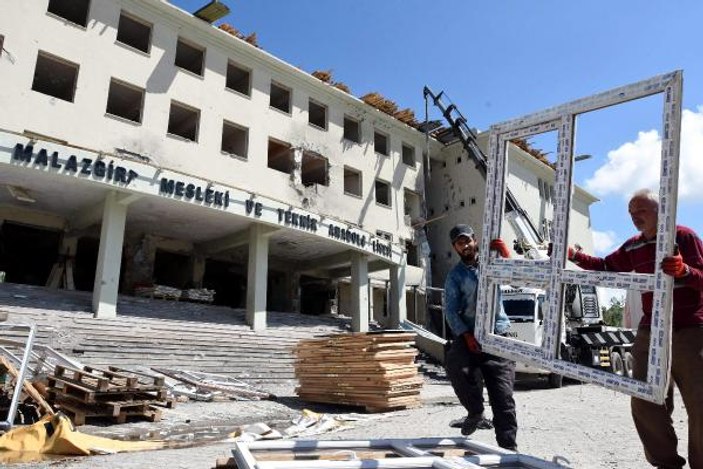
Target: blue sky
{"x":500,"y":60}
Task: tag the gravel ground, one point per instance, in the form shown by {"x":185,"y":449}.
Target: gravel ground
{"x":589,"y":426}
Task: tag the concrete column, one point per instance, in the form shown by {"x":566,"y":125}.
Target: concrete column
{"x":257,"y":277}
{"x":107,"y":273}
{"x":397,"y":307}
{"x":197,"y":264}
{"x":360,"y":292}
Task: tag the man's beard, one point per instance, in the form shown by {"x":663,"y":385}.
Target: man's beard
{"x":470,"y":258}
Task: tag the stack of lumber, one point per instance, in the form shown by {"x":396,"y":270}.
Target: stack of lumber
{"x":158,"y":291}
{"x":376,"y":371}
{"x":203,"y":295}
{"x":114,"y":394}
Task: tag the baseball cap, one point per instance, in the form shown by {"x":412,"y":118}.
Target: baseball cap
{"x":460,"y":230}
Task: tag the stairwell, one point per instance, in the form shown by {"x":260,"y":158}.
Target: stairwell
{"x":171,"y":334}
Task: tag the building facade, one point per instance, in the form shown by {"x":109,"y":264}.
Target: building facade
{"x":149,"y":146}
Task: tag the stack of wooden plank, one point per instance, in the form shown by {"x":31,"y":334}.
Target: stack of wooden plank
{"x":376,"y":371}
{"x":115,"y":394}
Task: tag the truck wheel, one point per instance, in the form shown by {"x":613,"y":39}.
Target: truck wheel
{"x":628,"y":360}
{"x":555,"y":380}
{"x":617,"y":365}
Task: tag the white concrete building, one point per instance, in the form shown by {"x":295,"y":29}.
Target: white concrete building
{"x":146,"y":145}
{"x":456,"y":194}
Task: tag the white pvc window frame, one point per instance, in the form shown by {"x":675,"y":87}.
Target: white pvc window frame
{"x":552,"y":273}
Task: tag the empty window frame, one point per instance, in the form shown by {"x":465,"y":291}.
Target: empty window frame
{"x":134,"y":32}
{"x":280,"y":156}
{"x":75,"y":11}
{"x":280,"y":97}
{"x":383,"y":193}
{"x":352,"y":130}
{"x":408,"y":155}
{"x":314,"y":169}
{"x":556,"y":275}
{"x":317,"y":114}
{"x":411,"y":204}
{"x":238,"y":78}
{"x":190,"y":57}
{"x":125,"y":101}
{"x":412,"y":254}
{"x":183,"y":121}
{"x":380,"y":143}
{"x":235,"y":139}
{"x":55,"y":76}
{"x":352,"y":181}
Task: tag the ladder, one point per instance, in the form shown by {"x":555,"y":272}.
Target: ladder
{"x":461,"y":130}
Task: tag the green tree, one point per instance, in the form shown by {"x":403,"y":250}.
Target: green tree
{"x":612,"y":315}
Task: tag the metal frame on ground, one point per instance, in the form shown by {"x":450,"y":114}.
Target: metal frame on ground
{"x":407,"y":453}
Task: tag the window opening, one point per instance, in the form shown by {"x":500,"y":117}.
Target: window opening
{"x":125,"y":101}
{"x":55,"y":77}
{"x":133,"y":32}
{"x":280,"y":156}
{"x":183,"y":121}
{"x":189,"y":57}
{"x":352,"y":181}
{"x":352,"y":131}
{"x":280,"y":98}
{"x":75,"y":11}
{"x":238,"y":79}
{"x":235,"y":139}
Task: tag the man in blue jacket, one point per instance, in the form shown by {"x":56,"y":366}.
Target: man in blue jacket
{"x":465,"y":362}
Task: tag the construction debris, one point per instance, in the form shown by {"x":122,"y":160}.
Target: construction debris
{"x":380,"y":453}
{"x":326,"y":77}
{"x":114,"y":394}
{"x":535,"y":152}
{"x":200,"y":295}
{"x":380,"y":102}
{"x":55,"y":435}
{"x":374,"y":371}
{"x":158,"y":291}
{"x":207,"y":386}
{"x":28,"y":387}
{"x":251,"y":38}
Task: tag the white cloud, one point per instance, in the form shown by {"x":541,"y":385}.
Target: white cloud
{"x":604,"y":242}
{"x":635,"y":165}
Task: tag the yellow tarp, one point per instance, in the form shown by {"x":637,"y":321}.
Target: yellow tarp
{"x":55,"y":435}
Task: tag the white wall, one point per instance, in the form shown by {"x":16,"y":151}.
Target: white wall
{"x":455,"y":180}
{"x":28,"y":28}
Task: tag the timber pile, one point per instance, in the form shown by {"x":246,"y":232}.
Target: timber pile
{"x":325,"y":76}
{"x":203,"y":295}
{"x":158,"y":291}
{"x":376,"y":371}
{"x":114,"y":394}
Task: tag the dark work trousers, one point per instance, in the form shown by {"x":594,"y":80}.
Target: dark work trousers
{"x":465,"y":369}
{"x":653,"y":421}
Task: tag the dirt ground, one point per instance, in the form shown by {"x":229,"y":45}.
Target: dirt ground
{"x":587,"y":426}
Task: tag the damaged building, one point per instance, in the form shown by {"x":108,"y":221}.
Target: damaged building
{"x":141,"y":145}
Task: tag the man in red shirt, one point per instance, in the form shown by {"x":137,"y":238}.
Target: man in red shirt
{"x":653,"y":421}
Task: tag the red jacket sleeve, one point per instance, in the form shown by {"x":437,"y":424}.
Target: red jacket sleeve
{"x":691,"y":249}
{"x":618,"y":261}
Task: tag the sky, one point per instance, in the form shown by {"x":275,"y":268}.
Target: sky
{"x":499,"y":60}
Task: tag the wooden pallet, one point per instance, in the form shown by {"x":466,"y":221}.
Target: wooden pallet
{"x":58,"y":386}
{"x":118,"y":412}
{"x":114,"y":393}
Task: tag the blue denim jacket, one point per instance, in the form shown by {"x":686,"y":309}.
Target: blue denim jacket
{"x":460,"y":298}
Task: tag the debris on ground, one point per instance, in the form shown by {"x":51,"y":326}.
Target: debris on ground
{"x":55,"y":435}
{"x":115,"y":394}
{"x":207,"y":386}
{"x":376,"y":371}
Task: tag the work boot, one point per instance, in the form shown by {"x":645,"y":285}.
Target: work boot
{"x":471,"y":424}
{"x":484,"y":424}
